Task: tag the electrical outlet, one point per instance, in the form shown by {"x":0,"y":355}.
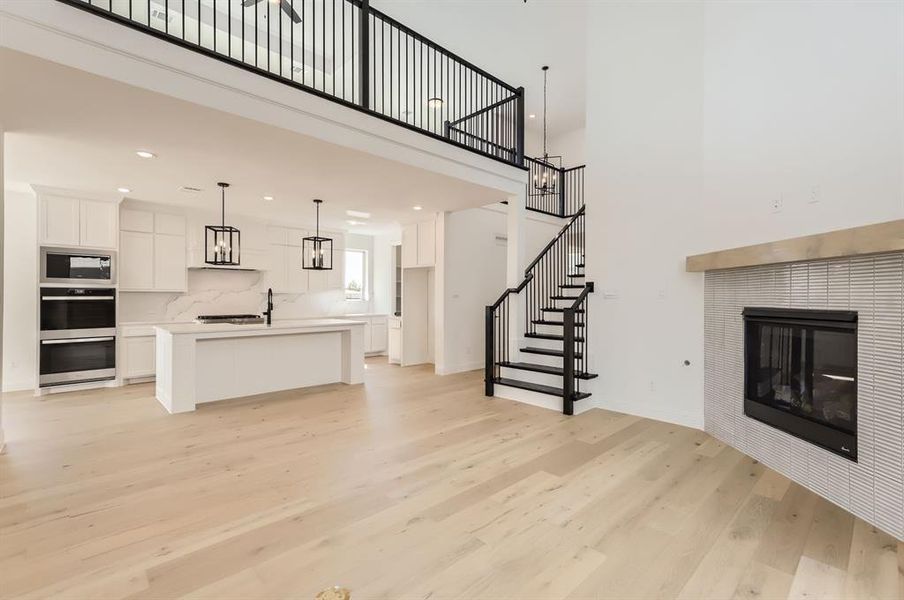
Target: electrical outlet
{"x":814,"y":197}
{"x":778,"y":203}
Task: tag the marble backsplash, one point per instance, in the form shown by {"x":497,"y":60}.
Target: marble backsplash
{"x":231,"y":292}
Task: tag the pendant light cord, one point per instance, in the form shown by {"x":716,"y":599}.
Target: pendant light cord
{"x":545,"y":153}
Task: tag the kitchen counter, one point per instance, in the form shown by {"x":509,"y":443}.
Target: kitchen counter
{"x":198,"y":363}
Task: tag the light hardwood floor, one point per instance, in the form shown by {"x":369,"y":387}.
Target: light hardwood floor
{"x":412,"y":486}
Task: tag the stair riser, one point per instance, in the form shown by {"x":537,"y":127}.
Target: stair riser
{"x":539,"y":359}
{"x":532,"y":376}
{"x":558,"y":329}
{"x":541,"y":343}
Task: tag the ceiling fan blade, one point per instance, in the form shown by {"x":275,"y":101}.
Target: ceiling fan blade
{"x":287,"y":8}
{"x":248,"y":3}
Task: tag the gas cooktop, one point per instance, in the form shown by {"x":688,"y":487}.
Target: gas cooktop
{"x":231,"y":319}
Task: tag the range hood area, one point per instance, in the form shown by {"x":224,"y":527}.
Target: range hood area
{"x":225,"y":268}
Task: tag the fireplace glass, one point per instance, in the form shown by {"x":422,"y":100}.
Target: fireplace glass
{"x":800,"y":374}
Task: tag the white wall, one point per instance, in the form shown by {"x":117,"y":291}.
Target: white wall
{"x":474,"y":272}
{"x":20,"y":286}
{"x":699,"y":115}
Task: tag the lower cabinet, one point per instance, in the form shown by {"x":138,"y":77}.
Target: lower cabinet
{"x":137,"y":357}
{"x":394,"y":341}
{"x":375,"y":333}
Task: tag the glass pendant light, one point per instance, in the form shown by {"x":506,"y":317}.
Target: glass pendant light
{"x":546,"y":173}
{"x":317,"y":251}
{"x":222,"y":243}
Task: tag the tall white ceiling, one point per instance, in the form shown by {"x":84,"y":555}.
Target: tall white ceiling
{"x":512,"y":39}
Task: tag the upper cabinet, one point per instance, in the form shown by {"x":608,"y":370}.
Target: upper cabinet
{"x":419,"y":244}
{"x":285,"y":274}
{"x":152,"y":252}
{"x":71,"y":221}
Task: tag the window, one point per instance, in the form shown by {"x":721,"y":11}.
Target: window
{"x":356,"y":275}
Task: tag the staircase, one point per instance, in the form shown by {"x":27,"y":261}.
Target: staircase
{"x":550,"y":356}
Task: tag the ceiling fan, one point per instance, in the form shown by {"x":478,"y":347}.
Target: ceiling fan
{"x":283,"y":4}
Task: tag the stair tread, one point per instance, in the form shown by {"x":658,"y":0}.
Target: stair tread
{"x":547,"y":369}
{"x":547,"y":322}
{"x":548,"y":351}
{"x":580,"y":265}
{"x":536,"y":387}
{"x":551,"y":336}
{"x":561,"y":297}
{"x":556,"y":309}
{"x":576,"y":275}
{"x":571,"y":286}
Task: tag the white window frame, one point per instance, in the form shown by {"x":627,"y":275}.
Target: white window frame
{"x":365,"y":288}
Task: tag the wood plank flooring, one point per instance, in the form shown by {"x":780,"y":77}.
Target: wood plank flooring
{"x":411,"y":486}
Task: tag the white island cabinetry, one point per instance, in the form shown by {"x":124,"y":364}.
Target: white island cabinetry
{"x":204,"y":363}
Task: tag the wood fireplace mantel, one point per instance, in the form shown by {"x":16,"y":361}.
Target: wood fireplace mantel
{"x":868,"y":239}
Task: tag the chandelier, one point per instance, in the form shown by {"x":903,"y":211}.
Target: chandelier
{"x":546,"y":172}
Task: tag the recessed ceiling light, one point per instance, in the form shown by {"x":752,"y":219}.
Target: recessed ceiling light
{"x":359,"y":214}
{"x":531,"y":116}
{"x":145,"y":154}
{"x":190,"y":190}
{"x":268,"y":198}
{"x":417,"y":207}
{"x":435,"y":102}
{"x":354,"y":222}
{"x":123,"y":190}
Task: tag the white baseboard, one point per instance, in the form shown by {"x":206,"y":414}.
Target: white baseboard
{"x":691,"y":420}
{"x":18,"y":385}
{"x":461,"y":368}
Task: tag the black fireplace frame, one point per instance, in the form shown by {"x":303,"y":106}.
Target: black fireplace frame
{"x":822,"y":435}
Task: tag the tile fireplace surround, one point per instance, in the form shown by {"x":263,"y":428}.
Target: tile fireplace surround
{"x":873,"y":487}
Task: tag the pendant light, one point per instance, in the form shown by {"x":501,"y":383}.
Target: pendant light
{"x":222,"y":243}
{"x":546,"y":174}
{"x":316,"y":251}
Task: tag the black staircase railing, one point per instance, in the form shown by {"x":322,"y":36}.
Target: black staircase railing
{"x":574,"y":348}
{"x":563,"y":194}
{"x":551,"y":277}
{"x":347,"y":52}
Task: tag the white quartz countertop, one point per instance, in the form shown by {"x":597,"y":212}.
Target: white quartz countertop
{"x":278,"y":327}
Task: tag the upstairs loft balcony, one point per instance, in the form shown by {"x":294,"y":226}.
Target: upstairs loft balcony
{"x":347,"y":52}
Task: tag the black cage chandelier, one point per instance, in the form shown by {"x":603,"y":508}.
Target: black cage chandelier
{"x":316,"y":251}
{"x":222,"y":243}
{"x":546,"y":175}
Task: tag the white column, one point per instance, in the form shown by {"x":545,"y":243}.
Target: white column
{"x":2,"y":243}
{"x":516,"y":262}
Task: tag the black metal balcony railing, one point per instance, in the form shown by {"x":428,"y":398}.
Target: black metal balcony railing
{"x":564,"y":194}
{"x":348,"y":52}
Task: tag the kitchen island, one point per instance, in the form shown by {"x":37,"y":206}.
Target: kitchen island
{"x":199,"y":363}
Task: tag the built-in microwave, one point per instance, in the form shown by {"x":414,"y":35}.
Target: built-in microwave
{"x":78,"y":266}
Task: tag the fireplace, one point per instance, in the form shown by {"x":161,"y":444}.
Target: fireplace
{"x":800,"y":374}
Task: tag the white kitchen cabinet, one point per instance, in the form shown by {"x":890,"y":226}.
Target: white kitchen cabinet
{"x":152,"y":252}
{"x":379,"y":334}
{"x":426,"y":244}
{"x":419,"y":244}
{"x":409,"y":245}
{"x":72,"y":221}
{"x":394,"y":340}
{"x":136,"y":260}
{"x":136,"y":220}
{"x":99,"y":223}
{"x":169,"y":262}
{"x":284,"y":272}
{"x":297,"y":278}
{"x":138,"y":357}
{"x":60,"y":220}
